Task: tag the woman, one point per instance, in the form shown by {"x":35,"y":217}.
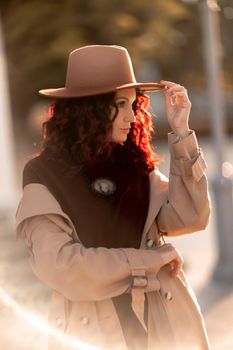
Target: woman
{"x":95,"y":207}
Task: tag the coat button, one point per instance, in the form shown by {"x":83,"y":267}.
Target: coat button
{"x":168,"y":296}
{"x":59,"y":322}
{"x":84,"y":320}
{"x":149,"y":243}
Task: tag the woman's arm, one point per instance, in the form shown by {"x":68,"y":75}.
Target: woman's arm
{"x":187,"y":206}
{"x":81,"y":273}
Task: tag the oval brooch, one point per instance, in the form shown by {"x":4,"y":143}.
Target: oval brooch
{"x":103,"y":186}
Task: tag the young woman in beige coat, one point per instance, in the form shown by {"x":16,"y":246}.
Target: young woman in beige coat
{"x":95,"y":209}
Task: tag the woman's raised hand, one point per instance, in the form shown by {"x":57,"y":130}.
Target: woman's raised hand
{"x":177,"y":106}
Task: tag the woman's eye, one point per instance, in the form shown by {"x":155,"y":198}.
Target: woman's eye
{"x":121,"y":104}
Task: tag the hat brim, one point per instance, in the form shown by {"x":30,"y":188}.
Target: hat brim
{"x":68,"y":93}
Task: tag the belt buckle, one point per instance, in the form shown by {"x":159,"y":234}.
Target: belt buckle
{"x":139,"y":281}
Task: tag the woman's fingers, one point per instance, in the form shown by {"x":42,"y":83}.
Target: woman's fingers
{"x":175,"y":88}
{"x":177,"y":91}
{"x":175,"y":94}
{"x":172,"y":89}
{"x":176,"y":266}
{"x":168,"y":83}
{"x":171,"y":256}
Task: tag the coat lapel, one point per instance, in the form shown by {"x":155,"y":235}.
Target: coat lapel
{"x":158,"y":194}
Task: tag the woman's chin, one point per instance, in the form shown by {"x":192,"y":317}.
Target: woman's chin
{"x":120,"y":140}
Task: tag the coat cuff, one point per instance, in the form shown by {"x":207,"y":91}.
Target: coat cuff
{"x":186,"y":157}
{"x":139,"y":261}
{"x":137,"y":267}
{"x":187,"y":148}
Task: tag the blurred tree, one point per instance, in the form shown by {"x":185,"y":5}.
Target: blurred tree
{"x":40,"y":34}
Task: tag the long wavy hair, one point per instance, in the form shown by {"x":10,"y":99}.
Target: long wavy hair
{"x":78,"y":129}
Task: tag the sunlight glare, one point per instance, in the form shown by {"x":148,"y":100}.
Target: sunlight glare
{"x":42,"y":326}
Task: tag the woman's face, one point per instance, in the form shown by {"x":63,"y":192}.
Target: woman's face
{"x":122,"y":123}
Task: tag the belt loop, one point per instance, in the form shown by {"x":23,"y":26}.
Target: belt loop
{"x":138,"y":284}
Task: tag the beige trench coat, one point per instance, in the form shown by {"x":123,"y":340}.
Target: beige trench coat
{"x":84,"y":280}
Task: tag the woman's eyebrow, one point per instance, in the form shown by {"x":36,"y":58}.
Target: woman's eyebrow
{"x":125,"y":98}
{"x":122,"y":97}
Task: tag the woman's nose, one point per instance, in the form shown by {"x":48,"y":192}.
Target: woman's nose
{"x":130,"y":116}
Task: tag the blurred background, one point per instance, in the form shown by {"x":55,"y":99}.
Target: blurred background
{"x":189,"y":42}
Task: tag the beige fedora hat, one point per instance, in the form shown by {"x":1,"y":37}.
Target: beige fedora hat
{"x":98,"y":69}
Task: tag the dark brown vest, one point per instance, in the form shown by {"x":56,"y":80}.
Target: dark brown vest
{"x":113,"y":220}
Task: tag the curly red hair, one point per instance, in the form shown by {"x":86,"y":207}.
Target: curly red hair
{"x":78,"y":128}
{"x":139,"y":140}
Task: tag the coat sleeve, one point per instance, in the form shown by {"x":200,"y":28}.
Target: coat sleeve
{"x":81,"y":273}
{"x":187,"y":205}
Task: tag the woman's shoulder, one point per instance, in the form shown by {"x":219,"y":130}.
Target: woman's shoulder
{"x":33,"y":170}
{"x":158,"y":182}
{"x":31,"y":162}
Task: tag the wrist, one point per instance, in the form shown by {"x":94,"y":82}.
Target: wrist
{"x":182,"y":131}
{"x":181,"y":134}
